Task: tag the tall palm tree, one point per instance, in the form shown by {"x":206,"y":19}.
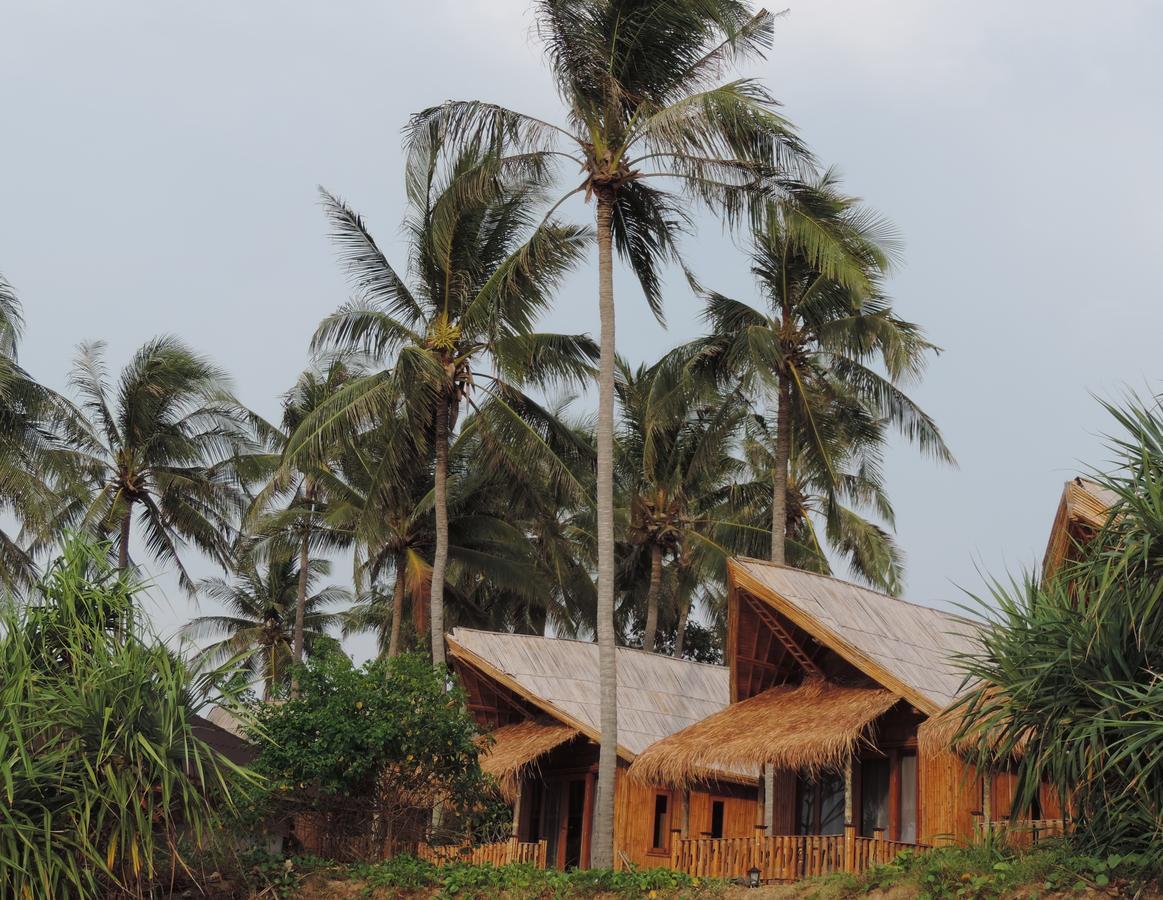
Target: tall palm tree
{"x":382,"y":495}
{"x":640,"y":80}
{"x":481,"y":274}
{"x":154,"y":448}
{"x":827,"y":347}
{"x":260,"y":623}
{"x":291,"y":505}
{"x":33,"y":463}
{"x":838,"y":488}
{"x":675,"y":470}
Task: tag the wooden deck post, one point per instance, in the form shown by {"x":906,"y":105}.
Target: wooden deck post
{"x":849,"y":821}
{"x":517,"y":810}
{"x":987,"y":800}
{"x":769,"y":799}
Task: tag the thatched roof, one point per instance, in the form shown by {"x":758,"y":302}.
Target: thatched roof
{"x":657,"y":695}
{"x":939,"y":732}
{"x":514,"y":749}
{"x":1084,"y":505}
{"x":810,"y":726}
{"x":907,"y":648}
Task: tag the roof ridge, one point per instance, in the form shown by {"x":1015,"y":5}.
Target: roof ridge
{"x":862,"y":587}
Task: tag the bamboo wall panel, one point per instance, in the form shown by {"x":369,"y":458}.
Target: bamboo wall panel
{"x":634,"y":818}
{"x":949,"y":797}
{"x":740,"y":811}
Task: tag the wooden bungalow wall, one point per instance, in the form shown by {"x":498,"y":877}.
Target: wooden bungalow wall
{"x":634,"y":817}
{"x":634,"y":805}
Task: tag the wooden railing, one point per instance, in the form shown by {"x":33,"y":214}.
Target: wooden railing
{"x":499,"y":854}
{"x":869,"y":852}
{"x":783,"y":857}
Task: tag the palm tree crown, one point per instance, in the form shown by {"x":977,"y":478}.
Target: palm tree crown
{"x":825,"y":351}
{"x":152,"y":447}
{"x":481,"y":275}
{"x":256,"y":631}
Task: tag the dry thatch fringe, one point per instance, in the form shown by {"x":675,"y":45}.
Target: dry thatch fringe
{"x":948,"y":731}
{"x":812,"y":726}
{"x":513,"y":749}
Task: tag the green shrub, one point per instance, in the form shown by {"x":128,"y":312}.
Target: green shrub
{"x":373,"y":748}
{"x":988,"y":870}
{"x":521,"y":880}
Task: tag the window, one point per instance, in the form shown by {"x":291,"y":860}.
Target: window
{"x":660,"y":839}
{"x":716,"y":818}
{"x":820,"y":805}
{"x":874,"y":797}
{"x":908,"y":825}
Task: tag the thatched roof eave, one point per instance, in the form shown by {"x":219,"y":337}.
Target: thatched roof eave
{"x":813,"y":726}
{"x":513,"y":751}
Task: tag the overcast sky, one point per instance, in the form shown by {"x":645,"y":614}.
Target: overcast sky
{"x":159,"y":164}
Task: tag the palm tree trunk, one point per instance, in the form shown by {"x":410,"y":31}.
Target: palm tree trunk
{"x":297,"y":637}
{"x":268,"y":686}
{"x":440,"y":556}
{"x":680,"y":630}
{"x":602,"y":846}
{"x":397,"y":608}
{"x":650,"y":635}
{"x":780,"y":473}
{"x":123,"y":547}
{"x":301,"y":597}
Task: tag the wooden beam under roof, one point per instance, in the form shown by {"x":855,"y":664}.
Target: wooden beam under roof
{"x":771,"y":620}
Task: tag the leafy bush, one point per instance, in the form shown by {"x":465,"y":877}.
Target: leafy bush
{"x":987,"y":870}
{"x":100,"y":770}
{"x":371,"y":748}
{"x":523,"y":880}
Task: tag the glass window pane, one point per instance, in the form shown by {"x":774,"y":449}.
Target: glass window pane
{"x":873,"y":796}
{"x":832,"y":804}
{"x":909,"y":798}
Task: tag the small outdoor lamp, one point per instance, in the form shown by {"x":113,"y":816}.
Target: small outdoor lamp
{"x":753,"y":876}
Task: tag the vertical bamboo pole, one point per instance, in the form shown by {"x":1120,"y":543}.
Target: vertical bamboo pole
{"x":517,"y":810}
{"x":769,"y":799}
{"x":849,"y":821}
{"x":987,"y":800}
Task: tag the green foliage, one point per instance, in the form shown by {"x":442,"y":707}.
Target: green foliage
{"x":521,"y":880}
{"x":374,"y":743}
{"x":100,"y":769}
{"x":1068,"y":681}
{"x":987,"y":870}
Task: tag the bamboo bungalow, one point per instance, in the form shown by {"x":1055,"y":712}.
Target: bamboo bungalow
{"x":829,"y":684}
{"x":1082,"y":511}
{"x":538,"y":699}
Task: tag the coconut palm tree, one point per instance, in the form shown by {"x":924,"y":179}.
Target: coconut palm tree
{"x":260,"y":624}
{"x":480,"y":276}
{"x":290,"y":508}
{"x":837,"y":489}
{"x":675,"y":470}
{"x":33,"y":463}
{"x":826,"y":346}
{"x":383,"y":496}
{"x":154,"y":447}
{"x":646,"y":110}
